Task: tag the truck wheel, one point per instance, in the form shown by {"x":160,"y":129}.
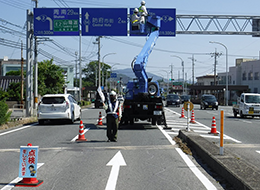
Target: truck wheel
{"x":152,"y":88}
{"x":241,"y":114}
{"x":153,"y":121}
{"x":132,"y":121}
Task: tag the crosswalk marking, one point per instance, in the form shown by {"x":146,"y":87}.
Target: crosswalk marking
{"x":176,"y":123}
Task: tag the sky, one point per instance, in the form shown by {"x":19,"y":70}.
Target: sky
{"x":120,"y":51}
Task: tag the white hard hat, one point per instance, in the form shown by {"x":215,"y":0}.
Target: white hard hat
{"x":112,"y":93}
{"x":136,"y":10}
{"x":142,"y":2}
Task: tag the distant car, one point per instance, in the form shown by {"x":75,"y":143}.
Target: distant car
{"x":208,"y":101}
{"x":58,"y":106}
{"x":173,"y":100}
{"x":185,"y":98}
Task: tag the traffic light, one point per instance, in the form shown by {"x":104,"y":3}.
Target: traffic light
{"x":171,"y":79}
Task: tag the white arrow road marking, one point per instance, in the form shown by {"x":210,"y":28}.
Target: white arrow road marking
{"x":115,"y":162}
{"x":12,"y":183}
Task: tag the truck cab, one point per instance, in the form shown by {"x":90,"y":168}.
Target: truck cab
{"x":248,"y":104}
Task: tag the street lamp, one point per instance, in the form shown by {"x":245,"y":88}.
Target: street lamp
{"x":226,"y":69}
{"x":103,"y":65}
{"x":182,"y":64}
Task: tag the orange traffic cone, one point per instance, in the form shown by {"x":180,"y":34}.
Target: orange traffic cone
{"x":192,"y":117}
{"x":100,"y":119}
{"x":182,"y":113}
{"x":29,"y":182}
{"x":213,"y":126}
{"x":81,"y":132}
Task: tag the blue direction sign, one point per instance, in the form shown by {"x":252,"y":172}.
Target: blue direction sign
{"x":56,"y":21}
{"x":113,"y":75}
{"x":168,"y":20}
{"x":104,"y":21}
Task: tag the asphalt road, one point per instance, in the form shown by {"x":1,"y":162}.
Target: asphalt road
{"x":145,"y":157}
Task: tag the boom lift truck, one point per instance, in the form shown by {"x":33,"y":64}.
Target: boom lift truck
{"x":142,"y":99}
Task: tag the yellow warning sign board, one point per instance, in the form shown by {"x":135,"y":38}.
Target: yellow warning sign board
{"x":186,"y":106}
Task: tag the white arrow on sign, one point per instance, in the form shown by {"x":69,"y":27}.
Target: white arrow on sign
{"x":43,"y":18}
{"x":86,"y":15}
{"x":115,"y":162}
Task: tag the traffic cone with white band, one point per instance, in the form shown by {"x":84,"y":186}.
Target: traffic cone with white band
{"x":182,"y":113}
{"x":100,"y":119}
{"x":81,"y":132}
{"x":213,"y":126}
{"x":192,"y":117}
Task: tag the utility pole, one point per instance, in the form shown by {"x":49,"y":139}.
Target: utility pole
{"x":215,"y":55}
{"x":22,"y":73}
{"x":76,"y":69}
{"x":99,"y":73}
{"x":171,"y":72}
{"x":35,"y":68}
{"x":29,"y":63}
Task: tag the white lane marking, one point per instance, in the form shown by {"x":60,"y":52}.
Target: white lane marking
{"x":16,"y":180}
{"x":75,"y":138}
{"x":204,"y":180}
{"x":247,"y":121}
{"x":258,"y":151}
{"x":166,"y":135}
{"x":21,"y":128}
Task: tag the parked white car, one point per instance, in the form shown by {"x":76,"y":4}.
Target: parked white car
{"x":58,"y":106}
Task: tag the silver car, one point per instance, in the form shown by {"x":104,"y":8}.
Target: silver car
{"x":58,"y":106}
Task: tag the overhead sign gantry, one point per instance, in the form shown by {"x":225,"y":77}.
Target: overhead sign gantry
{"x":94,"y":21}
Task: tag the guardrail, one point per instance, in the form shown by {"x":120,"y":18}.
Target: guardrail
{"x":18,"y":112}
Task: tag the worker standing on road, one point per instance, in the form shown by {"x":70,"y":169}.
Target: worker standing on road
{"x":135,"y":18}
{"x":113,"y":116}
{"x":142,"y":9}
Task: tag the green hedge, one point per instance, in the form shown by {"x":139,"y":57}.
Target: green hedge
{"x":4,"y":113}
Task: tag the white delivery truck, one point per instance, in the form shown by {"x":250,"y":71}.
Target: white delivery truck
{"x":248,"y":104}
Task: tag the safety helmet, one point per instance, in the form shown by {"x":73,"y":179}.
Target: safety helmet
{"x":136,"y":10}
{"x":142,"y":2}
{"x":112,"y":93}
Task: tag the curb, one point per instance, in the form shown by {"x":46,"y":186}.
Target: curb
{"x":236,"y":171}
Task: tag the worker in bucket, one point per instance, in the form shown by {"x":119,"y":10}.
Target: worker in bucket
{"x":142,"y":9}
{"x":135,"y":18}
{"x":113,"y":117}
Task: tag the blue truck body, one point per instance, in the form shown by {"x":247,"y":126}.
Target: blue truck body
{"x":142,"y":98}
